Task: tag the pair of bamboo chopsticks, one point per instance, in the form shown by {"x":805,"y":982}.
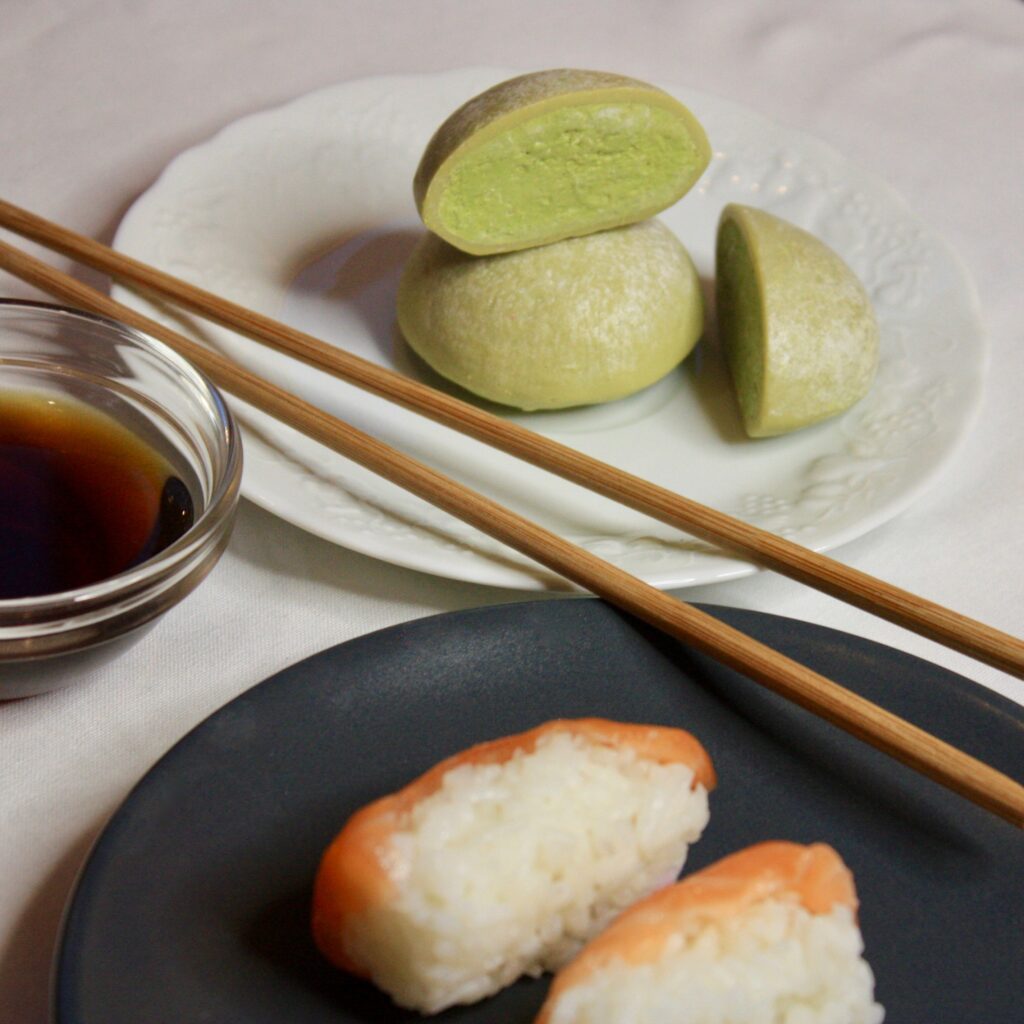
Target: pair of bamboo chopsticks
{"x":896,"y":737}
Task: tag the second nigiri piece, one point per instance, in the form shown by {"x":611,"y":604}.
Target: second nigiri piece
{"x":766,"y":936}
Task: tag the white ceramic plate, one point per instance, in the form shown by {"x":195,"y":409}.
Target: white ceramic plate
{"x":305,"y":213}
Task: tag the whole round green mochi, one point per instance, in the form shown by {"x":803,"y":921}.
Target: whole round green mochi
{"x":796,"y":325}
{"x":577,"y":322}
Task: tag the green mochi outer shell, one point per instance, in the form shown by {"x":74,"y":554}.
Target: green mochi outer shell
{"x":556,"y":154}
{"x":796,"y":325}
{"x":581,"y":321}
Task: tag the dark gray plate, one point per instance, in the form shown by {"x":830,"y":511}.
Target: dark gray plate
{"x":193,"y":905}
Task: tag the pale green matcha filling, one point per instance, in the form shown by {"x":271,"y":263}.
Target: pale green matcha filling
{"x":740,"y":318}
{"x":596,"y":165}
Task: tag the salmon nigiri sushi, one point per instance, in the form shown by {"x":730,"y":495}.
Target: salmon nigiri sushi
{"x":505,"y":859}
{"x":766,"y":936}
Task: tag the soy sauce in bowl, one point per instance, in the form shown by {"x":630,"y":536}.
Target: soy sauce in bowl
{"x":120,"y":467}
{"x":82,"y":498}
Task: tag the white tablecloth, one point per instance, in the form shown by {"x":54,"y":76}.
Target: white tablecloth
{"x":97,"y":96}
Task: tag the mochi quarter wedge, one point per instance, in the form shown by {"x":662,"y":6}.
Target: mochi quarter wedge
{"x":796,"y":325}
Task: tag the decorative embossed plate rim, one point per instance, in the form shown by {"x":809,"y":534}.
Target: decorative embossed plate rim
{"x":251,"y":213}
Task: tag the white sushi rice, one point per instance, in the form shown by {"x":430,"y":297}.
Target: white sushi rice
{"x":775,"y":963}
{"x":508,"y":869}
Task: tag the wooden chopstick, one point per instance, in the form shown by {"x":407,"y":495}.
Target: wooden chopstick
{"x":932,"y":620}
{"x":907,"y":743}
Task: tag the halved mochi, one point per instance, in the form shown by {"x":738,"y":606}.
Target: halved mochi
{"x":796,"y":324}
{"x":555,"y":154}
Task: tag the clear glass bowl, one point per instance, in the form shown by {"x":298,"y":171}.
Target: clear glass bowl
{"x":147,"y":388}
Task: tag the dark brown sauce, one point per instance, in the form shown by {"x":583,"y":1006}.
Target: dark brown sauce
{"x":81,"y":498}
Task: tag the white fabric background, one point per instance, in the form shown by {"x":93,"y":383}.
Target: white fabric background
{"x":97,"y":95}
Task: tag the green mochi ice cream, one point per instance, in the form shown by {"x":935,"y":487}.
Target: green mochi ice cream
{"x":553,"y":155}
{"x":577,"y":322}
{"x":796,"y":325}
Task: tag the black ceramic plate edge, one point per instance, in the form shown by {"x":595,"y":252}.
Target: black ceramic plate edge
{"x":921,"y":825}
